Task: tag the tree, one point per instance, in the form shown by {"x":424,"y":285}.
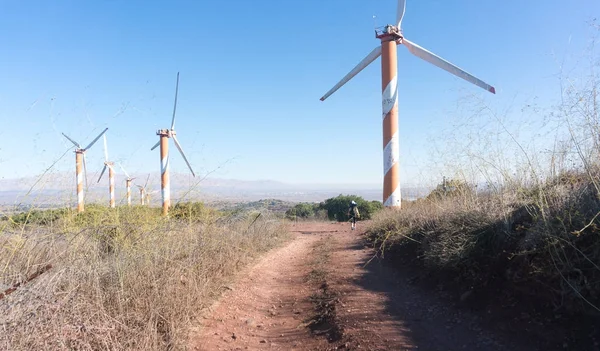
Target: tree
{"x":302,"y":210}
{"x":337,"y":207}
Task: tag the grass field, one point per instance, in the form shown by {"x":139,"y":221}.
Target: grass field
{"x":122,"y":278}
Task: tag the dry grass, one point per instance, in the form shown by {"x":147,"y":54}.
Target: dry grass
{"x":122,"y":278}
{"x":542,"y":242}
{"x":534,"y":230}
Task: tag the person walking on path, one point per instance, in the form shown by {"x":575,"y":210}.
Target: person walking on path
{"x":353,"y":213}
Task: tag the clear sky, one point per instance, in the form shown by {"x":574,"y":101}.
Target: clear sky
{"x":252,"y":73}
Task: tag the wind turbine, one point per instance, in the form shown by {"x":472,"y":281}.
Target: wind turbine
{"x":391,"y":36}
{"x":79,"y":160}
{"x":111,"y":175}
{"x":143,"y":191}
{"x":149,"y":196}
{"x":127,"y":184}
{"x":165,"y":134}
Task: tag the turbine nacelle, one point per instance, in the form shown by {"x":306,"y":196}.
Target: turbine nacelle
{"x":129,"y":178}
{"x":166,"y":132}
{"x":389,"y":30}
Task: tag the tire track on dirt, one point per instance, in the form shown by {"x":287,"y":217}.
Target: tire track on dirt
{"x":269,"y":306}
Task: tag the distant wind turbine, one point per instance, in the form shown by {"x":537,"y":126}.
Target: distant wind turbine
{"x":128,"y":181}
{"x":143,"y":190}
{"x":165,"y":134}
{"x":79,"y":160}
{"x":111,"y":175}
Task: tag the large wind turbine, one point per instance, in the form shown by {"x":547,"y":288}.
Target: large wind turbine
{"x":390,"y":36}
{"x":165,"y":134}
{"x":79,"y":160}
{"x":111,"y":175}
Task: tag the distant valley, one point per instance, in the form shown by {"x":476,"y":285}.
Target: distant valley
{"x":58,"y":189}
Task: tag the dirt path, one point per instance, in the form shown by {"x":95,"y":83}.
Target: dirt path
{"x":267,"y":309}
{"x":372,"y":307}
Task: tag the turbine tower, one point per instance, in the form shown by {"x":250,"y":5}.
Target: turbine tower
{"x":165,"y":134}
{"x":143,"y":191}
{"x":391,"y":36}
{"x":148,"y":195}
{"x":111,"y":175}
{"x":128,"y":181}
{"x":79,"y":160}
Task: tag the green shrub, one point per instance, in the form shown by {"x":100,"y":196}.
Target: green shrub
{"x":40,"y":217}
{"x":302,"y":210}
{"x":337,"y":207}
{"x":192,"y":212}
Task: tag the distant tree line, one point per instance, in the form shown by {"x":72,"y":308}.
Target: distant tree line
{"x":335,"y":209}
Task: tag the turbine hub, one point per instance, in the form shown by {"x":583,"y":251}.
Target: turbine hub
{"x":388,"y":33}
{"x":165,"y":132}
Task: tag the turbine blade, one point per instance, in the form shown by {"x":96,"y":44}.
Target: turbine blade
{"x":182,"y":154}
{"x":124,"y":171}
{"x":155,"y":146}
{"x":71,"y":140}
{"x":175,"y":104}
{"x":361,"y":65}
{"x":147,"y":179}
{"x":105,"y":150}
{"x":95,"y":140}
{"x":102,"y":173}
{"x":400,"y":15}
{"x":445,"y":65}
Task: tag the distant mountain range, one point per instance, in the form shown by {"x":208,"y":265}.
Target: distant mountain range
{"x":58,"y":188}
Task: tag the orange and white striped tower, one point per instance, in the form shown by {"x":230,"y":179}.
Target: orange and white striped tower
{"x":128,"y":186}
{"x":149,"y":196}
{"x":391,"y":36}
{"x":389,"y":103}
{"x":141,"y":196}
{"x":165,"y":186}
{"x":165,"y":134}
{"x":80,"y":168}
{"x":143,"y":188}
{"x":111,"y":184}
{"x":128,"y":181}
{"x":111,"y":175}
{"x":79,"y":178}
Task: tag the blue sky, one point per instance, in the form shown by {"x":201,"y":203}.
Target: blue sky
{"x":252,"y":73}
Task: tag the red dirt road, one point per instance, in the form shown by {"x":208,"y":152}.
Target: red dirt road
{"x":375,"y":308}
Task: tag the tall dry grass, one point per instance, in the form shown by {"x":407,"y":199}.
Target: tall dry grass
{"x":548,"y":251}
{"x":527,"y":216}
{"x":121,"y":278}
